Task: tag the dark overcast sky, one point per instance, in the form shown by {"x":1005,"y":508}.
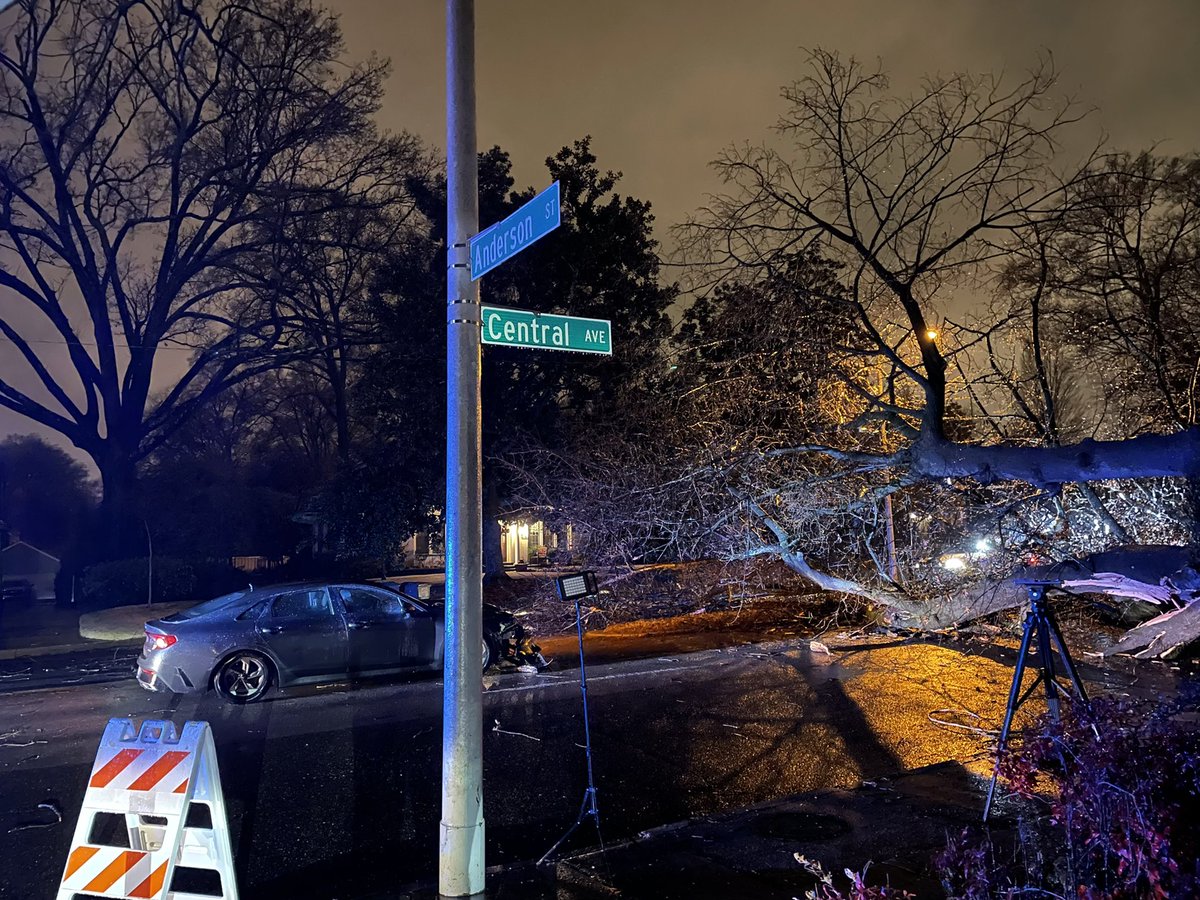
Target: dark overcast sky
{"x":663,"y":85}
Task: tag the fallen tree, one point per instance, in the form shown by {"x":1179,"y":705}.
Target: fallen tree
{"x":827,"y":399}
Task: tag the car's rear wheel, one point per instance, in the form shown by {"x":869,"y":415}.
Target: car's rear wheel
{"x":243,"y":677}
{"x":491,"y":652}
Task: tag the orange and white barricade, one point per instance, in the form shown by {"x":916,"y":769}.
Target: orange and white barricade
{"x":150,"y":776}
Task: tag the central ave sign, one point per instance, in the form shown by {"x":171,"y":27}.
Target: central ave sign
{"x":518,"y":327}
{"x":521,"y":328}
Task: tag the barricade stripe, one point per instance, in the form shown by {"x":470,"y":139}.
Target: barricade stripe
{"x":113,"y":768}
{"x":156,"y":772}
{"x":152,"y":885}
{"x":182,"y":789}
{"x":120,"y":866}
{"x":78,"y":857}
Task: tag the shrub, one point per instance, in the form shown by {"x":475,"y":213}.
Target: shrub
{"x":123,"y":581}
{"x":1113,"y":788}
{"x":358,"y":568}
{"x":858,"y":888}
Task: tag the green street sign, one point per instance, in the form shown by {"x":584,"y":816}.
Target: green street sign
{"x":521,"y":328}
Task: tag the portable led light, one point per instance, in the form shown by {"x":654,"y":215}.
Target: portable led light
{"x":573,"y":588}
{"x":576,"y":586}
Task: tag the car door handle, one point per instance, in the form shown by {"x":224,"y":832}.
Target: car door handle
{"x":274,"y":629}
{"x":358,"y":626}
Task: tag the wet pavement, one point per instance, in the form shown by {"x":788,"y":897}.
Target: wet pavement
{"x":46,"y":670}
{"x":334,"y":792}
{"x":892,"y":828}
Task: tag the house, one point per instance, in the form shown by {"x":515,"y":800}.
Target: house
{"x":254,"y":564}
{"x":424,"y":550}
{"x":526,"y":539}
{"x":20,"y":561}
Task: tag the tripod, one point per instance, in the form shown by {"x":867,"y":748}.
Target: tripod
{"x":588,"y":808}
{"x":1041,"y":625}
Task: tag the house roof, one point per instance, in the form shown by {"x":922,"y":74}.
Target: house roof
{"x":29,"y":546}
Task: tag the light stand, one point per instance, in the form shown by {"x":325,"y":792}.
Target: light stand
{"x":576,"y":587}
{"x":1041,"y":625}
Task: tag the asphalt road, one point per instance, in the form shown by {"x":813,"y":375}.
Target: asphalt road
{"x":334,"y":792}
{"x":65,"y":669}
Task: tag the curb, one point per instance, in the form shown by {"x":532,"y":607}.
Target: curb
{"x":54,"y":649}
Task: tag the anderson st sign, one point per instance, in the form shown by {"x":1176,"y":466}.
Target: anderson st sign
{"x":510,"y":236}
{"x":521,"y":328}
{"x":518,"y":327}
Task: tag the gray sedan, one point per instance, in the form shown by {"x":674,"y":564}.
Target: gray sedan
{"x":242,"y":643}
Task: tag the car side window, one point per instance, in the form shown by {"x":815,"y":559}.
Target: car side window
{"x":251,"y":612}
{"x":366,"y":602}
{"x":314,"y":604}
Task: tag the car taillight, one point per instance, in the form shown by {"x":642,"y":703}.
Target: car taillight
{"x":160,"y":641}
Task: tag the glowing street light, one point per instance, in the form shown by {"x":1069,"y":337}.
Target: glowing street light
{"x":954,"y":562}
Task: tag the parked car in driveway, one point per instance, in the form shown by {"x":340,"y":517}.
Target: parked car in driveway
{"x":243,"y":643}
{"x":17,"y":590}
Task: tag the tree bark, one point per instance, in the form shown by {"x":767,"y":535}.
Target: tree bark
{"x":1163,"y":637}
{"x":119,"y":528}
{"x":342,"y":417}
{"x":1144,"y":456}
{"x":959,"y":608}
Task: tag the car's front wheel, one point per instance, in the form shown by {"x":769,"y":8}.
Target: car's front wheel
{"x":243,"y":677}
{"x":491,"y":651}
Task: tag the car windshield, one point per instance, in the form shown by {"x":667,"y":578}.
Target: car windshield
{"x":206,"y":607}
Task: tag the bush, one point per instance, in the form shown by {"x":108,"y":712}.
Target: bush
{"x":359,"y":568}
{"x":1113,"y":787}
{"x":858,"y":889}
{"x":123,"y":581}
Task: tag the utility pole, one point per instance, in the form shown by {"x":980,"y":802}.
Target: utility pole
{"x":893,"y":567}
{"x":890,"y":524}
{"x":460,"y":845}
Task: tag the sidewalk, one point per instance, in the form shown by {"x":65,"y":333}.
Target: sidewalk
{"x":897,"y":825}
{"x":44,"y":629}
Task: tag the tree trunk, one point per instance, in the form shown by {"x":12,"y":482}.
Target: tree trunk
{"x":1144,"y":456}
{"x":493,"y":558}
{"x":1193,"y":495}
{"x":341,"y":411}
{"x":120,"y":534}
{"x":972,"y":602}
{"x":1163,"y":637}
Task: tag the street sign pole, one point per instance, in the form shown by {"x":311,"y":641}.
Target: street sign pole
{"x":460,"y":846}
